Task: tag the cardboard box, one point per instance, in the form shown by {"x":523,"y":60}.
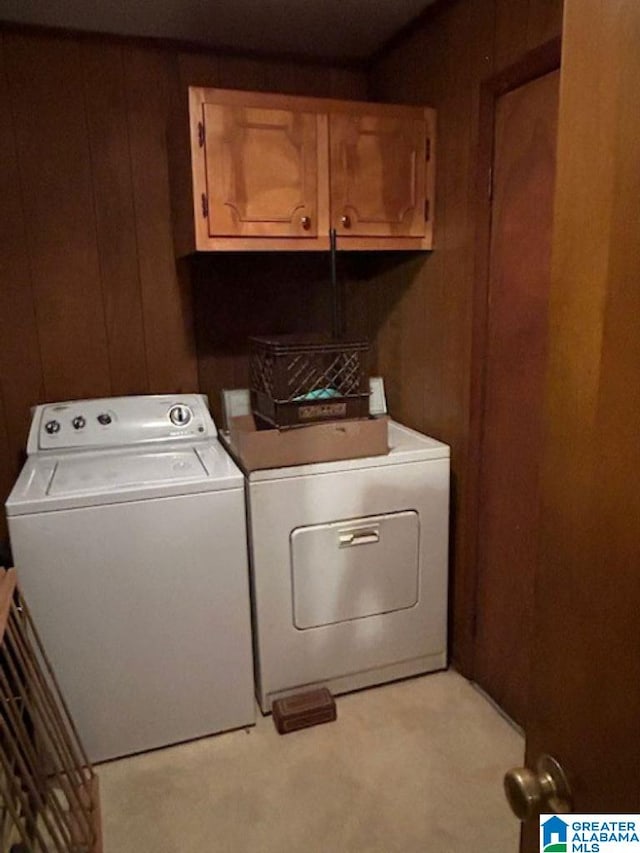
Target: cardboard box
{"x":323,"y":442}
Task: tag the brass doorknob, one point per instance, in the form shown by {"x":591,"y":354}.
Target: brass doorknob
{"x":531,"y":793}
{"x":306,"y":222}
{"x":345,"y":221}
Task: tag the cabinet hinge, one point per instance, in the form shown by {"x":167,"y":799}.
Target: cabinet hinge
{"x":428,"y":155}
{"x":201,"y":134}
{"x":427,"y":209}
{"x":205,"y":206}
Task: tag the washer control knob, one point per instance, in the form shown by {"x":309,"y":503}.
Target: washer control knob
{"x":78,"y":422}
{"x":104,"y":418}
{"x":52,"y":427}
{"x":180,"y":415}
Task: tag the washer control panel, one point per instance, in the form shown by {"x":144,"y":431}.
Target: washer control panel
{"x":120,"y":421}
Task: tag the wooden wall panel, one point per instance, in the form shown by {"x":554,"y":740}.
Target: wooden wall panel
{"x":91,"y":299}
{"x":237,"y":72}
{"x":198,"y":69}
{"x":239,"y":295}
{"x":47,"y":102}
{"x":166,"y":297}
{"x":423,"y":323}
{"x":522,"y":26}
{"x":293,"y":79}
{"x":6,"y":472}
{"x":348,"y":83}
{"x":511,"y":31}
{"x":106,"y":104}
{"x":544,"y":21}
{"x":21,"y":380}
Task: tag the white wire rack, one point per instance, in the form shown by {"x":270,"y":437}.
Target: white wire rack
{"x":48,"y":789}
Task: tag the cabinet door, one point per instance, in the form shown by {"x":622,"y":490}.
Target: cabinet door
{"x":261,"y":172}
{"x":378,"y":167}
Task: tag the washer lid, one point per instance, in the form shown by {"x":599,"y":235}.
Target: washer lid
{"x":67,"y":481}
{"x":79,"y":474}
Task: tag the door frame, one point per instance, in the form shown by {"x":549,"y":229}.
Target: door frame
{"x":543,"y":60}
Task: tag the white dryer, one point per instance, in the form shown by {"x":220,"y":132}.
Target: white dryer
{"x":127,"y":525}
{"x":349,"y":568}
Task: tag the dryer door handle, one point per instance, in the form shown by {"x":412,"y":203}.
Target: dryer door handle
{"x":362,"y":536}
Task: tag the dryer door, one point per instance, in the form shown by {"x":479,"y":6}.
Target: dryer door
{"x":350,"y":569}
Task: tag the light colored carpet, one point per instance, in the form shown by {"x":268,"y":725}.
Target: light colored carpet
{"x":413,"y":766}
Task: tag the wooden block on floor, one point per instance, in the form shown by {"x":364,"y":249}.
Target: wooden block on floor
{"x":302,"y":710}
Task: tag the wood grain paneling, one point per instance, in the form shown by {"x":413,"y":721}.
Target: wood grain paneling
{"x":166,"y":297}
{"x":443,"y":64}
{"x":47,"y":101}
{"x":436,"y":313}
{"x":21,"y":380}
{"x":106,"y":105}
{"x":198,"y":69}
{"x":523,"y":26}
{"x":292,"y":79}
{"x":347,"y":83}
{"x":91,"y":299}
{"x":236,"y":72}
{"x":511,"y":31}
{"x":6,"y":470}
{"x":238,"y":295}
{"x":544,"y":21}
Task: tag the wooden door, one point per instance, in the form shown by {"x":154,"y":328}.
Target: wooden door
{"x":514,"y":367}
{"x":585,"y":705}
{"x":261,"y":171}
{"x":377,"y":166}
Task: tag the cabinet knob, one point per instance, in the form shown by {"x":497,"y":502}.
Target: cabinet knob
{"x":306,"y":222}
{"x":345,"y":221}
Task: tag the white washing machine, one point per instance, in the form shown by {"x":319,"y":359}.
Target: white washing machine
{"x":127,"y":525}
{"x":349,"y":568}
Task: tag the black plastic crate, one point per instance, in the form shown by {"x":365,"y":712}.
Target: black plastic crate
{"x":297,"y":380}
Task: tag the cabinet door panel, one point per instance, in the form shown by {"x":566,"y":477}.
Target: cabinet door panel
{"x":378,"y":175}
{"x":261,"y":172}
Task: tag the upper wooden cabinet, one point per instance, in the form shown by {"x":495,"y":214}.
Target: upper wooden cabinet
{"x":278,"y":172}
